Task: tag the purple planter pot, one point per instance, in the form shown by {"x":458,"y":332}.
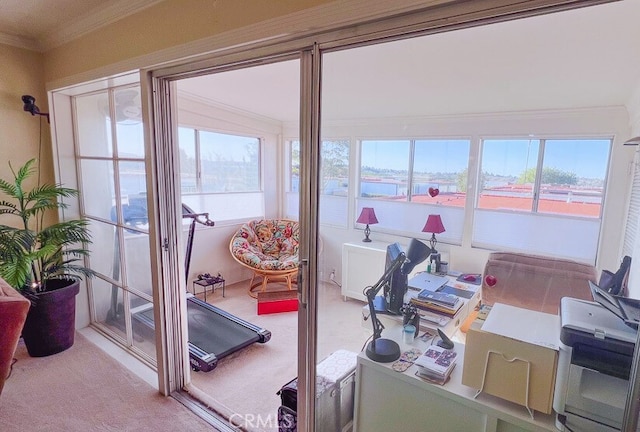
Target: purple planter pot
{"x":50,"y":325}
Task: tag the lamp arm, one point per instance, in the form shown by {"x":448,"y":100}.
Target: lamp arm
{"x":373,"y":291}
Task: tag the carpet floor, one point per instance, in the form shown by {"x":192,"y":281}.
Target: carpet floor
{"x":83,"y":389}
{"x":244,"y":385}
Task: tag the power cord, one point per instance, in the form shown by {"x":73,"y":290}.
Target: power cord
{"x":14,"y":361}
{"x":563,"y":421}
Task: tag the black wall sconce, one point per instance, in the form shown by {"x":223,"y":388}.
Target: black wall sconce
{"x":633,"y":141}
{"x":31,"y":107}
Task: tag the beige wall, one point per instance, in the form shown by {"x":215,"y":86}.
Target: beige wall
{"x":21,"y":72}
{"x":168,"y":24}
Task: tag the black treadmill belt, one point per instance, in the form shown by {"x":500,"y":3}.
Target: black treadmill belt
{"x":215,"y":333}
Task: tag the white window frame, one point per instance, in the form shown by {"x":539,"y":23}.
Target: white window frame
{"x":224,"y":206}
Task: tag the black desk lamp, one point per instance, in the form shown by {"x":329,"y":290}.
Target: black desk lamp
{"x":387,"y":350}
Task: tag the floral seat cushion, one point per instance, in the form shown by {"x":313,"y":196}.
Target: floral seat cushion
{"x":267,"y":244}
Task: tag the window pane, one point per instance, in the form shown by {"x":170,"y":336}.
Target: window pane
{"x":104,"y":255}
{"x":137,"y":262}
{"x":294,"y":179}
{"x":230,"y":163}
{"x":573,"y":173}
{"x":97,"y":188}
{"x":129,"y":132}
{"x":188,"y":164}
{"x":107,"y":307}
{"x":94,"y":126}
{"x":334,"y":166}
{"x":142,"y":325}
{"x":133,"y":179}
{"x":440,"y":172}
{"x":507,"y":174}
{"x":228,"y":206}
{"x":384,"y":169}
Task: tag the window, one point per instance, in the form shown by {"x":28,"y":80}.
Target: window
{"x":334,"y":181}
{"x":405,"y":180}
{"x":505,"y":176}
{"x":384,"y":169}
{"x":439,"y":174}
{"x":110,"y":156}
{"x":334,"y":167}
{"x":220,"y":174}
{"x":562,"y":177}
{"x":543,"y":196}
{"x":428,"y":171}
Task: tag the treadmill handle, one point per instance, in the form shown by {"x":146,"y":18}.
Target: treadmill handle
{"x":302,"y":291}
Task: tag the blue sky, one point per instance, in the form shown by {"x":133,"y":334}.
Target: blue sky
{"x":504,"y":157}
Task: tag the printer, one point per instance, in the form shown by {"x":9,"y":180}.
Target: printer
{"x":594,"y":363}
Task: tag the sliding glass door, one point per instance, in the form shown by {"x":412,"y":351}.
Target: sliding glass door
{"x":111,"y":168}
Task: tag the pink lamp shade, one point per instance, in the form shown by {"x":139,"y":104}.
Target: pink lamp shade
{"x":368,"y":217}
{"x":434,"y":225}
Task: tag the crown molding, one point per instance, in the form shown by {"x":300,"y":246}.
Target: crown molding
{"x":19,"y":42}
{"x":108,"y":13}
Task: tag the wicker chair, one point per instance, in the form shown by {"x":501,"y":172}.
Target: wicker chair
{"x":269,"y":247}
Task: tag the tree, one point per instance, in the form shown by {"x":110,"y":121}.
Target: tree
{"x":463,"y":179}
{"x":334,"y":161}
{"x":549,"y":176}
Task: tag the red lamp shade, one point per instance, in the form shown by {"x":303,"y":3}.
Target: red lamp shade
{"x":367,"y":216}
{"x":434,"y":224}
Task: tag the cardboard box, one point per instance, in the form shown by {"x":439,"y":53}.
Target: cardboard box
{"x":514,"y":356}
{"x":277,"y":301}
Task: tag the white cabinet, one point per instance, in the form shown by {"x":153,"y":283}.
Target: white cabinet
{"x":362,"y":266}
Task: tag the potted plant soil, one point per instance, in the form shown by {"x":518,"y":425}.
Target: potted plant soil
{"x":45,"y":264}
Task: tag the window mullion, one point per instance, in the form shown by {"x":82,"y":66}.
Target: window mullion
{"x":538,"y":179}
{"x":412,"y":152}
{"x":198,"y":162}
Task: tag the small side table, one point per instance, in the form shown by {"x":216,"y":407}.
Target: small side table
{"x":205,"y":283}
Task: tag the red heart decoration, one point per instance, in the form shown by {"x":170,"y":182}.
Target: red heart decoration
{"x":434,"y":191}
{"x":490,"y":280}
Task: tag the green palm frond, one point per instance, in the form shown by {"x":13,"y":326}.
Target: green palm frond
{"x":35,"y":254}
{"x":24,"y":172}
{"x":8,"y":188}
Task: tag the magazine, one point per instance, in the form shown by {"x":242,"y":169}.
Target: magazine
{"x":436,"y":362}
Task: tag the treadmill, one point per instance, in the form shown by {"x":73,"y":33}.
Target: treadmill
{"x":213,"y":333}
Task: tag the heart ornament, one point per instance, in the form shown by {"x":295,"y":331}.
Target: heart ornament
{"x":434,"y":191}
{"x":490,"y":280}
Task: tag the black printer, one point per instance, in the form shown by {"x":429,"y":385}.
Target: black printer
{"x":594,"y":363}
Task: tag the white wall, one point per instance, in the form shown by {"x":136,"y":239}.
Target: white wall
{"x":597,"y":122}
{"x":634,"y":122}
{"x":213,"y":242}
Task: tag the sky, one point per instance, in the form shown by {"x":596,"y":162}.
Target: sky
{"x":503,"y":157}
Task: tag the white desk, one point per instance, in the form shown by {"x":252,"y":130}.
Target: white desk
{"x":386,"y":400}
{"x":450,"y":325}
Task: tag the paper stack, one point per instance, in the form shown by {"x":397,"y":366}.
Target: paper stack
{"x":436,"y":364}
{"x":442,"y":303}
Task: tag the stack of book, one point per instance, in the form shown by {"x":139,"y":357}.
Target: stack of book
{"x":439,"y":302}
{"x":436,"y":364}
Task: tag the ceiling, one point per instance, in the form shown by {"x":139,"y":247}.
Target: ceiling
{"x":43,"y":24}
{"x":584,"y":58}
{"x":588,"y":57}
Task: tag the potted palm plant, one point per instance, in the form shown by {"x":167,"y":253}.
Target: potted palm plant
{"x":43,"y":263}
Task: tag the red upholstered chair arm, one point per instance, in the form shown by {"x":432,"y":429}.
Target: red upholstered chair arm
{"x":13,"y":313}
